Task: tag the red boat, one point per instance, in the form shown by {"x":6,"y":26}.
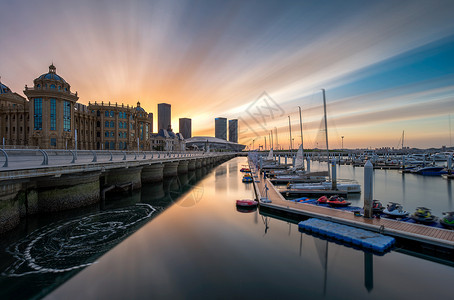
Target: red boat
{"x":336,"y":201}
{"x":245,"y":170}
{"x":246,"y":203}
{"x":322,"y":200}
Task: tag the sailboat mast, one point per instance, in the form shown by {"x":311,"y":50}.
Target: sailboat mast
{"x":301,"y":129}
{"x":403,"y":135}
{"x":326,"y":131}
{"x":290,"y":130}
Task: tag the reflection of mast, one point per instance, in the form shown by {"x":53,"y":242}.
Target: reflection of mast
{"x":325,"y":278}
{"x":265,"y":221}
{"x":368,"y":271}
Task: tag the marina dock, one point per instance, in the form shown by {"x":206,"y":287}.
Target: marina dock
{"x":439,"y":237}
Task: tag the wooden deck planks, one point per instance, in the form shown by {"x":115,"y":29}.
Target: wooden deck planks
{"x":279,"y":202}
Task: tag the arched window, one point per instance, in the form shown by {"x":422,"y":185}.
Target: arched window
{"x":112,"y":114}
{"x":112,"y":124}
{"x":112,"y":145}
{"x":107,"y":113}
{"x":120,"y":124}
{"x":106,"y":145}
{"x":98,"y":113}
{"x":98,"y":124}
{"x":106,"y":124}
{"x":112,"y":134}
{"x":120,"y":115}
{"x":53,"y":87}
{"x":106,"y":134}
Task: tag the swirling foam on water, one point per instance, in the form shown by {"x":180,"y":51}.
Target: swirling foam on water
{"x":74,"y":244}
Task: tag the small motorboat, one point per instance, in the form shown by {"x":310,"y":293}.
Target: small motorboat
{"x":246,"y":203}
{"x":423,"y":215}
{"x":448,"y":220}
{"x":430,"y":171}
{"x":247,"y":178}
{"x":336,"y":201}
{"x":245,"y":170}
{"x":322,"y":200}
{"x":377,"y":207}
{"x":395,"y":210}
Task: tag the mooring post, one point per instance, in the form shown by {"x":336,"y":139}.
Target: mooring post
{"x":286,"y":159}
{"x":279,"y":160}
{"x":308,"y":164}
{"x":333,"y":175}
{"x":368,"y":189}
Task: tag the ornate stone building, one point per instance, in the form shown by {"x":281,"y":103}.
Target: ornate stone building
{"x":51,"y":118}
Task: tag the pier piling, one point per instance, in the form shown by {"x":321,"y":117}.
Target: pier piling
{"x":368,"y":189}
{"x":333,"y":174}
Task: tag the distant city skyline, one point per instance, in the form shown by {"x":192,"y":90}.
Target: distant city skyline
{"x":164,"y":116}
{"x":387,"y":66}
{"x":220,"y":128}
{"x":185,"y":126}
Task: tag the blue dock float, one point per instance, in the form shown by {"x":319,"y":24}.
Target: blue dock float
{"x":359,"y":237}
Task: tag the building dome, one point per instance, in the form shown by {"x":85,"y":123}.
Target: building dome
{"x":138,"y":108}
{"x":4,"y":89}
{"x":52,"y":75}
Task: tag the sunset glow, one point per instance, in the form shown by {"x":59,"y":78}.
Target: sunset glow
{"x":386,"y":66}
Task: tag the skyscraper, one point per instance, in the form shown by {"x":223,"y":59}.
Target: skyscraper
{"x":233,"y":131}
{"x":220,"y":128}
{"x":164,"y":116}
{"x":185,"y":127}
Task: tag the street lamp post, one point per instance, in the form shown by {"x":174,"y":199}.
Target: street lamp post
{"x":342,"y":143}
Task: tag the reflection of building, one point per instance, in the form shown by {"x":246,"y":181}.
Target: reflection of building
{"x":233,"y":131}
{"x":52,"y":118}
{"x":212,"y":143}
{"x":164,"y":116}
{"x":185,"y":127}
{"x":220,"y":128}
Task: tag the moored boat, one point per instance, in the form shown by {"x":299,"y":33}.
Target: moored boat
{"x":322,"y":200}
{"x":395,"y":210}
{"x":377,"y":207}
{"x":336,"y":201}
{"x":247,"y":178}
{"x":423,"y":215}
{"x":246,"y":203}
{"x":430,"y":171}
{"x":447,"y":220}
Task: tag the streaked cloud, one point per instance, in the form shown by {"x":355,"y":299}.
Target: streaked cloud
{"x":381,"y":62}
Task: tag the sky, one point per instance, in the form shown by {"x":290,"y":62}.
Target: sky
{"x":387,"y":66}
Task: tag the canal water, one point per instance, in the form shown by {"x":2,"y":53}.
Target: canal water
{"x":186,"y":239}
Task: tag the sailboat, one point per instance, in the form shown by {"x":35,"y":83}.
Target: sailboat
{"x":350,"y":186}
{"x":270,"y":156}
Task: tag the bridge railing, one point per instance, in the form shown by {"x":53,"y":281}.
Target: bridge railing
{"x":25,"y":158}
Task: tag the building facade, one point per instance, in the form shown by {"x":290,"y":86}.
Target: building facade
{"x":233,"y":131}
{"x":186,"y":127}
{"x":51,"y":118}
{"x":164,"y":116}
{"x":220,"y":128}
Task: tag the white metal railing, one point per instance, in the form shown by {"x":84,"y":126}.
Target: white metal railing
{"x":25,"y":158}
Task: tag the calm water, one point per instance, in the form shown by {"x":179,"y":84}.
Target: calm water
{"x":202,"y":247}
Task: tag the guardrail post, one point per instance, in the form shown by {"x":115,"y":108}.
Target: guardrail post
{"x":95,"y":158}
{"x":6,"y":158}
{"x":111,"y":156}
{"x":74,"y":156}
